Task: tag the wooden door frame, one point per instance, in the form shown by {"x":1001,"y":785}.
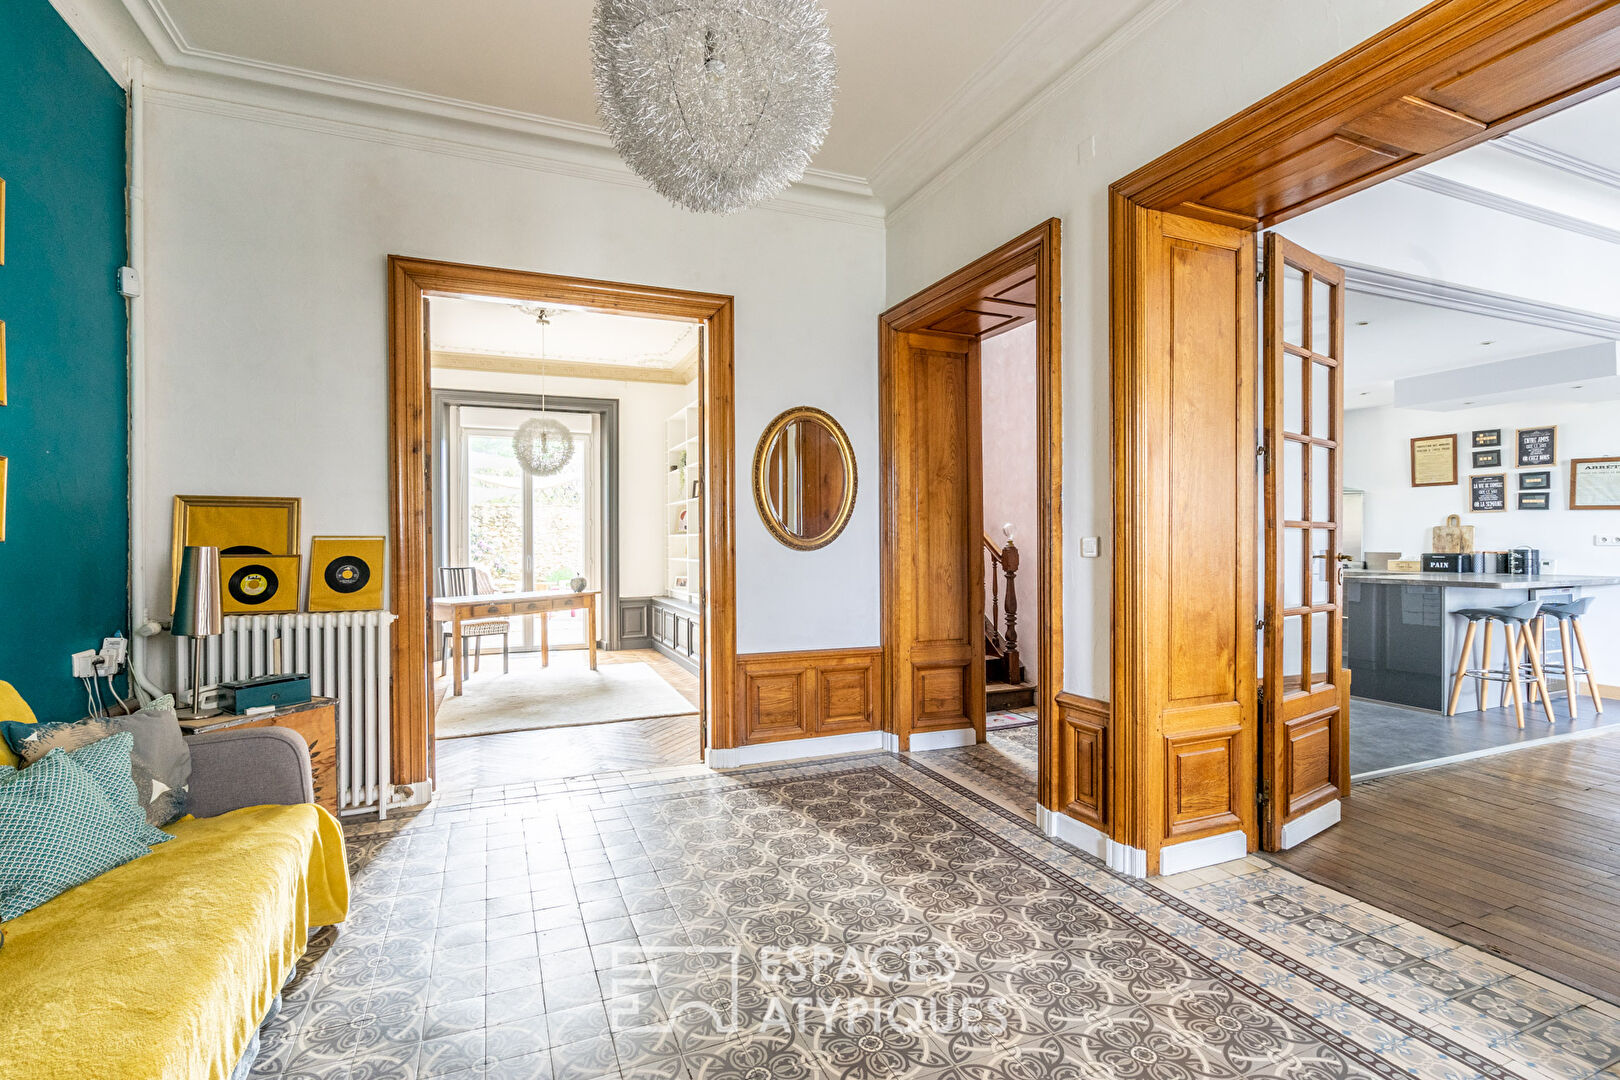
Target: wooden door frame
{"x":1355,"y":103}
{"x":410,"y":423}
{"x":1040,"y":248}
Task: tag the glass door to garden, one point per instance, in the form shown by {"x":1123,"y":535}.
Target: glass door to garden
{"x":529,"y":533}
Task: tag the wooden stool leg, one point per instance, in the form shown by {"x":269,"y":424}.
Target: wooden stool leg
{"x":1566,"y":652}
{"x":1485,"y":662}
{"x":1586,"y":662}
{"x":1462,"y":668}
{"x":1510,"y":664}
{"x":1513,"y":673}
{"x":1540,"y":683}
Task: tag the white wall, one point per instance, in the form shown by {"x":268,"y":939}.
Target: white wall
{"x":267,"y":317}
{"x":1399,"y":516}
{"x":1125,"y":105}
{"x":643,"y":408}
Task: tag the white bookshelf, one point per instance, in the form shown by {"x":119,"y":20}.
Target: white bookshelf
{"x":683,"y":516}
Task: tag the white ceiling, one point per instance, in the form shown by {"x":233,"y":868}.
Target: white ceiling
{"x":504,"y":328}
{"x":901,"y":63}
{"x":1404,"y":338}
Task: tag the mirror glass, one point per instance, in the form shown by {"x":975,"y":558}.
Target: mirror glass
{"x":804,"y":478}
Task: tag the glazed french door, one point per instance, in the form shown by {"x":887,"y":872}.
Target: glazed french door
{"x":1305,"y":723}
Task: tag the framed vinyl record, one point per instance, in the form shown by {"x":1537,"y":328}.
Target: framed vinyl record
{"x":237,"y":525}
{"x":346,"y":573}
{"x":258,"y":584}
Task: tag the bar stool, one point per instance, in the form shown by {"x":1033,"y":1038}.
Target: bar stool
{"x":1568,"y":616}
{"x":1518,"y":644}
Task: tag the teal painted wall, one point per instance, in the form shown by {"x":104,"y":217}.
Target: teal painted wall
{"x":64,"y":563}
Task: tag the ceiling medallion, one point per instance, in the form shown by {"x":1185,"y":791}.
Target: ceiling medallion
{"x":718,"y":104}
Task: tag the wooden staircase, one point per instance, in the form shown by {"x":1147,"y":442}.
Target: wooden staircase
{"x":1004,"y":685}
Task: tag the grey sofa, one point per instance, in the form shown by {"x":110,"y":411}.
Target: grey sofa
{"x":241,"y":767}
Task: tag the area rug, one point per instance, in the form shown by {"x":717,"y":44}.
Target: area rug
{"x":566,"y":694}
{"x":1001,"y":721}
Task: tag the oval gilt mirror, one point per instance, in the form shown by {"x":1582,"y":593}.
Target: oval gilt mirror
{"x":804,"y":478}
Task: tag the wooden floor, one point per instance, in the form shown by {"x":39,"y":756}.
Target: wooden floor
{"x":497,"y":761}
{"x":1517,"y":854}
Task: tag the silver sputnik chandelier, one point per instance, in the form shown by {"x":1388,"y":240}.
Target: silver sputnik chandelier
{"x":718,"y":104}
{"x":543,"y":446}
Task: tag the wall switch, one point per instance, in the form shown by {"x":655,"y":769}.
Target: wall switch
{"x":84,"y":664}
{"x":1609,"y":540}
{"x":1090,"y":547}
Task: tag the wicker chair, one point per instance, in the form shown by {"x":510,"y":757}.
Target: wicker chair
{"x":468,"y":581}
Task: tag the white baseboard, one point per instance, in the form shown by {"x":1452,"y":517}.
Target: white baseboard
{"x":1120,"y":857}
{"x":1205,"y":851}
{"x":856,"y":742}
{"x":943,"y":740}
{"x":406,"y":796}
{"x":1308,"y":825}
{"x":891,"y":742}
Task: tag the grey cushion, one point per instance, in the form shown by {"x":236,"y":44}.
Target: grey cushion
{"x":160,"y":763}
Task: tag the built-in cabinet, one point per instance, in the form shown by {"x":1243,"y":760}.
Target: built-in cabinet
{"x":677,"y":630}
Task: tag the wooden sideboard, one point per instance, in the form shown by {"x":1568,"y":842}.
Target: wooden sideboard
{"x":315,"y":720}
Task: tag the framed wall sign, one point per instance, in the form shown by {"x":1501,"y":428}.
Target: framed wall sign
{"x":1487,"y":492}
{"x":1535,"y":500}
{"x":1434,"y":460}
{"x":1538,"y":446}
{"x":1491,"y":437}
{"x":1594,"y":483}
{"x":346,"y":573}
{"x":1541,"y":480}
{"x":1487,"y":459}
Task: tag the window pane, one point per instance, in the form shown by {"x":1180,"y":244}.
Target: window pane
{"x":1292,"y":480}
{"x":1293,"y":394}
{"x":495,"y":510}
{"x":1321,"y":317}
{"x":1321,"y":566}
{"x":1293,"y":306}
{"x":1292,"y":651}
{"x":561,"y":538}
{"x":1319,"y":644}
{"x":1321,"y":400}
{"x":1293,"y":567}
{"x":1321,"y":484}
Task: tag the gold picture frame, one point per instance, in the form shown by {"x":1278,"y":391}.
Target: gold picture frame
{"x":236,"y":524}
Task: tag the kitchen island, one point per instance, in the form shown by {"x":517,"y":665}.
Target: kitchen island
{"x":1401,"y":634}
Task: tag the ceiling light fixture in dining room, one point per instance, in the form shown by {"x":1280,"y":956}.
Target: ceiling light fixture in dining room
{"x":543,"y":446}
{"x":718,"y":104}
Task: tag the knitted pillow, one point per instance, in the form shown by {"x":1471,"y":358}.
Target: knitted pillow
{"x":58,"y":829}
{"x":160,"y":763}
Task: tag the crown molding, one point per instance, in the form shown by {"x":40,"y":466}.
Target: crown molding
{"x":1557,"y":159}
{"x":1453,"y":189}
{"x":1376,"y":281}
{"x":167,"y":40}
{"x":925,"y":162}
{"x":452,"y":360}
{"x":292,"y":108}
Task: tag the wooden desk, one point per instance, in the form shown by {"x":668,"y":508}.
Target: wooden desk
{"x":315,"y":720}
{"x":458,"y":609}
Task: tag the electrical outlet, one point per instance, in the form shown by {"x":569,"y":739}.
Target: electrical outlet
{"x":113,"y":652}
{"x":1090,"y":547}
{"x":1602,"y":540}
{"x":84,"y":664}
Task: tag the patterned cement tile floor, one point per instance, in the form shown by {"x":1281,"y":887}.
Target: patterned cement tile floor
{"x":872,"y":919}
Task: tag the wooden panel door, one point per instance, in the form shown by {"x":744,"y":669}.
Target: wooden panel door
{"x":1305,"y":722}
{"x":937,"y":618}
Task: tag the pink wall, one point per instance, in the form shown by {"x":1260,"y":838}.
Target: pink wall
{"x":1007,"y":374}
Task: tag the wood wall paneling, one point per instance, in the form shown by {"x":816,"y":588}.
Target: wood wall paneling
{"x":800,"y":695}
{"x":1081,"y":765}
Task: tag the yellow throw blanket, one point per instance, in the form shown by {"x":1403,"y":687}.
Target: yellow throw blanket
{"x":163,"y":968}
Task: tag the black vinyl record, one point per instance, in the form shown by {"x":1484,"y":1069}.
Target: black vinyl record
{"x":243,"y":549}
{"x":347,"y":574}
{"x":253,"y":584}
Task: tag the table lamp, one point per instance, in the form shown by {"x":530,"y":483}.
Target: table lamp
{"x":197,"y":613}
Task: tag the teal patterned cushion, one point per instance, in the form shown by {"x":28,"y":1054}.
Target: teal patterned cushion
{"x":58,"y":829}
{"x":107,"y":760}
